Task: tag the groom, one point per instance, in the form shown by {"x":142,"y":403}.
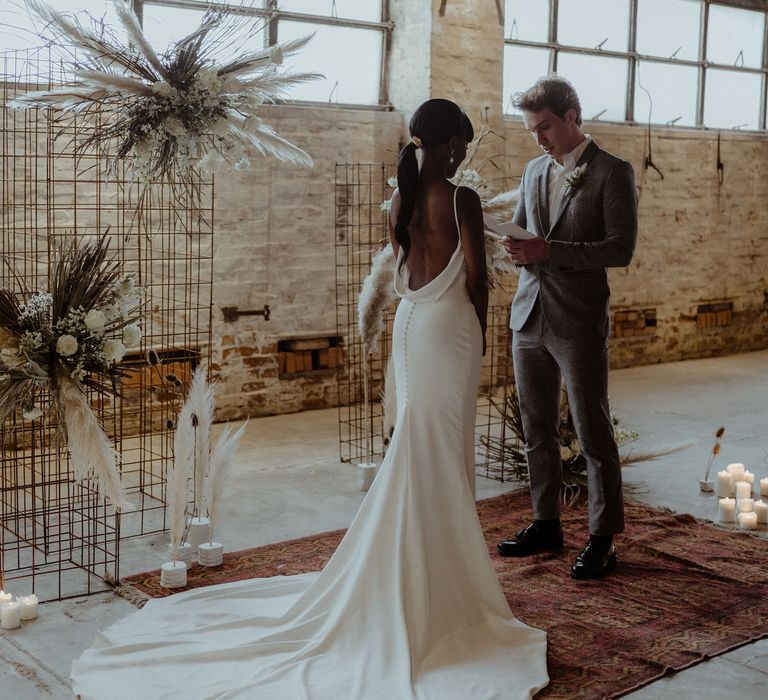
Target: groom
{"x":581,"y":203}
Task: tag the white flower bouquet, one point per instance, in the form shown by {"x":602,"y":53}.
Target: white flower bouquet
{"x":174,"y":110}
{"x":68,"y":339}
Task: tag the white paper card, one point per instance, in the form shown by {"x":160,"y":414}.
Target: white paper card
{"x":506,"y":229}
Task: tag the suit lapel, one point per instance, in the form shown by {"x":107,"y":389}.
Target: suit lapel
{"x":588,"y":154}
{"x":542,"y":197}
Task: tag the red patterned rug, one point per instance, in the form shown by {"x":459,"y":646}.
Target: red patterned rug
{"x":684,"y":591}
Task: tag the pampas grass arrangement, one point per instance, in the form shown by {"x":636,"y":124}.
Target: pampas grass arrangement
{"x":171,"y":111}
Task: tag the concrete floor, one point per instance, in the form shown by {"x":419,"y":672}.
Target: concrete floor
{"x":293,"y":485}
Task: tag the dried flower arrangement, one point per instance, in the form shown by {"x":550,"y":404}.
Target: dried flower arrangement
{"x":174,"y":110}
{"x":66,"y":340}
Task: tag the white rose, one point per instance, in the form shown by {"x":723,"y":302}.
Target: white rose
{"x":243,"y":164}
{"x":174,"y":126}
{"x":32,"y":413}
{"x":392,"y":182}
{"x":131,"y":335}
{"x":66,"y":345}
{"x":114,"y":351}
{"x":164,"y":89}
{"x":210,"y":161}
{"x":95,"y":320}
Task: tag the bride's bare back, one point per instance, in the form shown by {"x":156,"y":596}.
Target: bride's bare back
{"x":433,"y":233}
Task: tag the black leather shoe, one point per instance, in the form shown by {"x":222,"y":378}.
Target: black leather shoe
{"x":531,"y":540}
{"x":592,"y":563}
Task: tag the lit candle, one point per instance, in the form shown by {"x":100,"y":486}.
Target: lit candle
{"x":743,"y":489}
{"x":28,"y":604}
{"x":726,"y":508}
{"x":724,"y":484}
{"x":745,"y":505}
{"x":10,"y":616}
{"x":737,"y":469}
{"x":5,"y":597}
{"x":761,"y":511}
{"x":764,"y":487}
{"x":748,"y":521}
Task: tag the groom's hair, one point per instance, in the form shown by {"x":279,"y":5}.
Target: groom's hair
{"x":553,"y":93}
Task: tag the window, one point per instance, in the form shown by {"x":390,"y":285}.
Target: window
{"x":688,"y":63}
{"x":347,"y":47}
{"x":18,"y":29}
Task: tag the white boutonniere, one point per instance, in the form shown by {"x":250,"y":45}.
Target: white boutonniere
{"x":575,"y":178}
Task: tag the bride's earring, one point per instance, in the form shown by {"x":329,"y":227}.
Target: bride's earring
{"x":450,"y":160}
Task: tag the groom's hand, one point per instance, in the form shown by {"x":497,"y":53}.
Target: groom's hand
{"x":533,"y":250}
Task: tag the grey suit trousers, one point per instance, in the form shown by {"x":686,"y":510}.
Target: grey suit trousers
{"x":541,"y":358}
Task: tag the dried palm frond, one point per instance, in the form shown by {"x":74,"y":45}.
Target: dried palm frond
{"x":223,"y":459}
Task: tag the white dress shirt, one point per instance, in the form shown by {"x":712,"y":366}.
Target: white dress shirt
{"x":557,"y":175}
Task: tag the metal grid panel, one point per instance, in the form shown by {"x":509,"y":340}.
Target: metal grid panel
{"x":56,"y":533}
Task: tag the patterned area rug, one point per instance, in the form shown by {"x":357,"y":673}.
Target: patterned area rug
{"x":684,"y":591}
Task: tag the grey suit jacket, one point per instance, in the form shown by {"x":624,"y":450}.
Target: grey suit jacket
{"x":595,"y":228}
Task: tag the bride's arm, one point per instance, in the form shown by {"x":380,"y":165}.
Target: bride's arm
{"x":473,"y":244}
{"x":394,"y":207}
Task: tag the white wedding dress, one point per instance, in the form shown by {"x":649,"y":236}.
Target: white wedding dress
{"x":409,"y":606}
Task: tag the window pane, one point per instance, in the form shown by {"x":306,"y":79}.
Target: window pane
{"x":522,"y":68}
{"x":163,"y":26}
{"x":673,"y":91}
{"x":19,"y":27}
{"x":369,"y":10}
{"x":735,"y":36}
{"x":591,"y":23}
{"x":526,"y":20}
{"x":350,"y":60}
{"x":731,"y":99}
{"x":669,"y":27}
{"x":605,"y":98}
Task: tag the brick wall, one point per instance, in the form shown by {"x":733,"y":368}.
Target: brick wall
{"x":700,"y":244}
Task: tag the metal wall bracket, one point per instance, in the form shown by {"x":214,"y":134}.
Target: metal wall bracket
{"x":232,"y":313}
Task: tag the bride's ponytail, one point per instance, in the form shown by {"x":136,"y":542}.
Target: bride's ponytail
{"x":407,"y":184}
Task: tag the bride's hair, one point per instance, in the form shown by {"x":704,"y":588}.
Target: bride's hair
{"x":433,"y":124}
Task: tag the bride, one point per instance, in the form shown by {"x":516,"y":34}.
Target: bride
{"x":408,"y":607}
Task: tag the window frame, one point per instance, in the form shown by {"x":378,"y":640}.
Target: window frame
{"x":633,"y":58}
{"x":273,"y":14}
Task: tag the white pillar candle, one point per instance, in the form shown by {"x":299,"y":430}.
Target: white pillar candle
{"x":749,"y":477}
{"x":724,"y":484}
{"x":5,"y":597}
{"x":761,"y":511}
{"x":748,"y":521}
{"x":737,"y":469}
{"x":743,"y":489}
{"x":10,"y":616}
{"x":745,"y":505}
{"x":764,"y":487}
{"x":726,"y":508}
{"x":28,"y":604}
{"x":199,"y":532}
